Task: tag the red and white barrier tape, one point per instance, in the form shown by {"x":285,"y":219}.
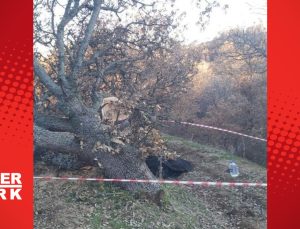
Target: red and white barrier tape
{"x":201,"y":183}
{"x":220,"y":129}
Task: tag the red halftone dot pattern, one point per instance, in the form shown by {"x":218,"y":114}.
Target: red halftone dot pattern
{"x":283,"y":145}
{"x":16,"y":93}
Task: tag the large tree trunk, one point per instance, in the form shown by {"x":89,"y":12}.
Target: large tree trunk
{"x":88,"y":131}
{"x":82,"y":128}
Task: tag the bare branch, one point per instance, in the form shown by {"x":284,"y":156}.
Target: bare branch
{"x":87,"y":36}
{"x":46,"y":80}
{"x":97,"y":55}
{"x":60,"y":42}
{"x":114,"y":67}
{"x":53,"y":123}
{"x":57,"y":141}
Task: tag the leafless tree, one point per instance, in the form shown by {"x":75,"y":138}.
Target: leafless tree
{"x":231,"y":91}
{"x":95,"y":49}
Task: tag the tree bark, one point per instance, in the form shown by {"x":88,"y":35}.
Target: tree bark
{"x":53,"y":123}
{"x":85,"y":130}
{"x":127,"y":164}
{"x":89,"y":131}
{"x":63,"y":142}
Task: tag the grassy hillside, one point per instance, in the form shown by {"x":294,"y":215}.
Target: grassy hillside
{"x":68,"y":204}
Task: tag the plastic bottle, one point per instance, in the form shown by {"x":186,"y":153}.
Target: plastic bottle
{"x":233,"y":169}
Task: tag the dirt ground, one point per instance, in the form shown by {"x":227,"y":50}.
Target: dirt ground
{"x":70,"y":204}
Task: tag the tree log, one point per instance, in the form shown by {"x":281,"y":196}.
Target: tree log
{"x":63,"y":142}
{"x":53,"y":123}
{"x":126,"y":164}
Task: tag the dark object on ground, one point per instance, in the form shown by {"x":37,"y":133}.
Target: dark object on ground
{"x":170,"y":168}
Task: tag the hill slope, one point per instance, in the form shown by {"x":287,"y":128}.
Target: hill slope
{"x":68,"y":204}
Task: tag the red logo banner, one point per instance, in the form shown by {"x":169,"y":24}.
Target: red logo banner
{"x":283,"y":115}
{"x":16,"y":105}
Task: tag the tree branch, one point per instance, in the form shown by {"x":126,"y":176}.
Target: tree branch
{"x":53,"y":123}
{"x":56,"y":141}
{"x":87,"y":36}
{"x":69,"y":14}
{"x":46,"y":80}
{"x":60,"y":42}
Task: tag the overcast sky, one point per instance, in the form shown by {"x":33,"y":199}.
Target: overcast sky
{"x":241,"y":13}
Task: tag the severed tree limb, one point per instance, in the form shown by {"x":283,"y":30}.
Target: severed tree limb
{"x":63,"y":142}
{"x":53,"y":123}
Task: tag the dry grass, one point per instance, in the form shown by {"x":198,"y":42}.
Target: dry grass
{"x":63,"y":204}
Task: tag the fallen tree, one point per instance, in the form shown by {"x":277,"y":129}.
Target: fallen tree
{"x":98,"y":49}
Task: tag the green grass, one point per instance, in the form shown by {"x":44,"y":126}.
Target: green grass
{"x":219,"y":153}
{"x":183,"y":207}
{"x":104,"y":205}
{"x":118,"y":224}
{"x":96,"y":221}
{"x":193,"y":145}
{"x":180,"y":209}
